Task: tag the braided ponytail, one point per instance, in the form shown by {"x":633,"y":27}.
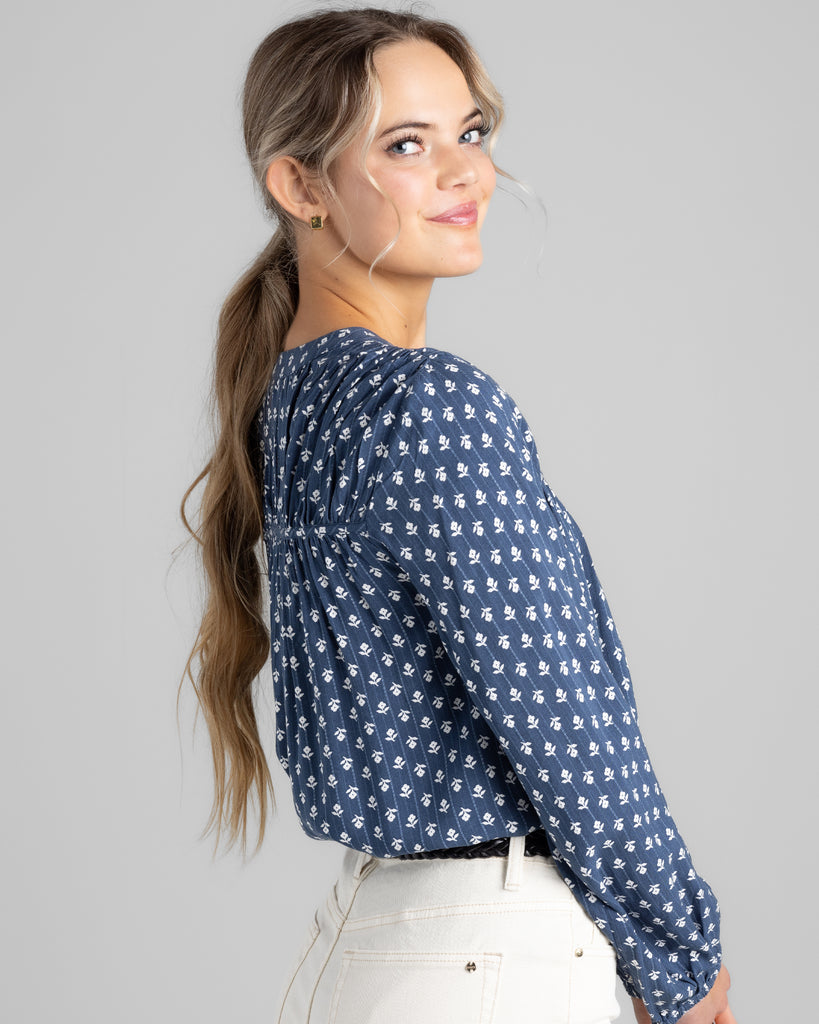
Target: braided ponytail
{"x":233,"y":642}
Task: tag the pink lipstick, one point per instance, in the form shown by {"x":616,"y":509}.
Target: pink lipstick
{"x":465,"y":214}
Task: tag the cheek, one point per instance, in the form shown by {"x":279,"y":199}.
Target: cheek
{"x":489,"y":176}
{"x":404,"y":195}
{"x":363,"y":211}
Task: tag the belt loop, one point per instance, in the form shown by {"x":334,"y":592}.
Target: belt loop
{"x":361,"y":861}
{"x":514,"y":862}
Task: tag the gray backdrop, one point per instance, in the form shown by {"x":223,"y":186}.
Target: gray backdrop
{"x":663,"y":348}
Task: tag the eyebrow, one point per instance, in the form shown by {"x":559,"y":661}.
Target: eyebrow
{"x":424,"y":125}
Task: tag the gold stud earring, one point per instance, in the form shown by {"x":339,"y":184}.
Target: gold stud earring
{"x":316,"y":223}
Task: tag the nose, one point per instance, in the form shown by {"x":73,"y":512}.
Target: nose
{"x":457,"y":167}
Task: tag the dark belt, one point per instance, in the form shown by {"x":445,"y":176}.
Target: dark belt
{"x":536,"y":843}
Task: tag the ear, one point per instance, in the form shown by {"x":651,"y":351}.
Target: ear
{"x":295,"y":189}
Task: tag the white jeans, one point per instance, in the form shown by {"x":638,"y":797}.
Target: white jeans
{"x":496,"y":940}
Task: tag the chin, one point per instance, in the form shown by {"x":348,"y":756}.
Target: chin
{"x":461,"y":267}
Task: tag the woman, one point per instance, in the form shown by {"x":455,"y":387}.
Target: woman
{"x":452,"y":700}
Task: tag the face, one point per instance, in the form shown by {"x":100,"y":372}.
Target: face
{"x":428,"y":160}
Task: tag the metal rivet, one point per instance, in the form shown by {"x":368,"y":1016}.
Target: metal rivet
{"x":471,"y":966}
{"x":579,"y":951}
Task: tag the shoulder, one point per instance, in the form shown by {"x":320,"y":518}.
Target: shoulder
{"x":449,"y":389}
{"x":370,"y":387}
{"x":367,"y":369}
{"x":457,"y":415}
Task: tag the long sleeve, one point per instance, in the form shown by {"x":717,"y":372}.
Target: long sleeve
{"x":508,"y":585}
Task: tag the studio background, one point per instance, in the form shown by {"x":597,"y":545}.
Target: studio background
{"x":662,"y":346}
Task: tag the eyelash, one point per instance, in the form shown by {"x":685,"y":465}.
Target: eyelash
{"x":482,"y":129}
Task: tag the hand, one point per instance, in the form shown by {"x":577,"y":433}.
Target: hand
{"x":711,"y":1009}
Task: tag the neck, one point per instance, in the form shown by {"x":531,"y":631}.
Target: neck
{"x":396,"y":310}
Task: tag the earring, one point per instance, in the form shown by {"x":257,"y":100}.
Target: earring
{"x":316,"y":223}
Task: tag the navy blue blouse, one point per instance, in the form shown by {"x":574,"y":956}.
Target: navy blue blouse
{"x":446,"y":669}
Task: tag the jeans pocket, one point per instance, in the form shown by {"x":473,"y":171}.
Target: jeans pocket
{"x":384,"y":986}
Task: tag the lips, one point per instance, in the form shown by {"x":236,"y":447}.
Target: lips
{"x":466,"y":213}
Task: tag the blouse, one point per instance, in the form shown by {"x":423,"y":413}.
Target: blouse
{"x":446,"y":669}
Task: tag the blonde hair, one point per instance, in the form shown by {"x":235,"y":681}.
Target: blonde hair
{"x":310,"y":89}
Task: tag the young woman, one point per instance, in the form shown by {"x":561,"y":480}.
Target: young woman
{"x":452,"y":699}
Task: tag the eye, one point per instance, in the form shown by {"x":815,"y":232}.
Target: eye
{"x":474,"y":136}
{"x":408,"y":146}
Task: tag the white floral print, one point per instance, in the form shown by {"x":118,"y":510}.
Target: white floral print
{"x":446,"y":668}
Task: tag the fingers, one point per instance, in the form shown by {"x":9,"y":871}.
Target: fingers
{"x":726,"y":1017}
{"x":720,"y":988}
{"x":720,"y":991}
